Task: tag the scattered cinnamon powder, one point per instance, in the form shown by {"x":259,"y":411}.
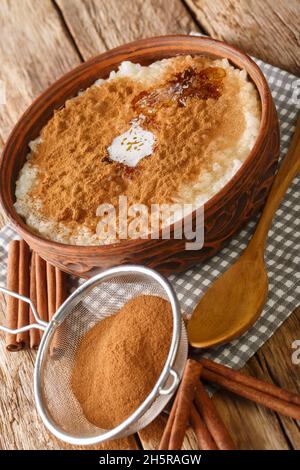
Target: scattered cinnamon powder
{"x":120,"y":359}
{"x":75,"y":173}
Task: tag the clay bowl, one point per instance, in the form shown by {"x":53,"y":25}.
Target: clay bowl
{"x":225,"y":213}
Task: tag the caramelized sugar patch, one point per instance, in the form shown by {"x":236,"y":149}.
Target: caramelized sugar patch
{"x":201,"y":84}
{"x":193,"y":112}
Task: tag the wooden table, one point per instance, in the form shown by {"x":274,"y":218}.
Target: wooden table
{"x":41,"y":40}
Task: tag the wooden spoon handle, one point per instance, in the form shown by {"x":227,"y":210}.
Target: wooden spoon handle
{"x":286,"y":173}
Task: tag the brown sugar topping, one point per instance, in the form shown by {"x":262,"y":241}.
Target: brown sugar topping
{"x":192,"y":111}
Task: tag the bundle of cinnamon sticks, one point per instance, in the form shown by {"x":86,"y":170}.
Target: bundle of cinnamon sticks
{"x":29,"y":275}
{"x":192,"y":404}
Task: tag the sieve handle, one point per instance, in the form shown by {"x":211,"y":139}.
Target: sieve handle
{"x":40,"y":324}
{"x":173,"y":386}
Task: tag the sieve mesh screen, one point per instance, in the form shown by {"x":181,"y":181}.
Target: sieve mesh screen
{"x":102,"y":299}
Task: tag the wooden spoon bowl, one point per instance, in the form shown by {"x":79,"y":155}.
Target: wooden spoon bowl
{"x":232,"y":304}
{"x":225,"y":213}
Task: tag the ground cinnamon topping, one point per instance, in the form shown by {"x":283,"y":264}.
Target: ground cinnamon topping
{"x":75,"y":173}
{"x":120,"y":359}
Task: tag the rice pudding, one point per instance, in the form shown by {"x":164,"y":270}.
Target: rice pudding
{"x":175,"y":131}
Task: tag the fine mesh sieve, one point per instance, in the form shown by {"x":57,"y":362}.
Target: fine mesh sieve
{"x":99,"y":297}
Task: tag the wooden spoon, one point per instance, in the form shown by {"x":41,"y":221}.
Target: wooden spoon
{"x":235,"y":300}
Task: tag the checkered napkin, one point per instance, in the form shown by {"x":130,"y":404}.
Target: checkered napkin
{"x":282,"y":252}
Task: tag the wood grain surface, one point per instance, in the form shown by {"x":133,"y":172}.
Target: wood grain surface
{"x":40,"y":40}
{"x":35,"y":50}
{"x":267,"y":29}
{"x":108,"y":24}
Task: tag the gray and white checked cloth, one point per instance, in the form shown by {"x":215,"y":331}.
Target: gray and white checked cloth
{"x":282,"y":251}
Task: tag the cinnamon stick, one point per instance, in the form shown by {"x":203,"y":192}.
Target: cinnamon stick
{"x":56,"y":347}
{"x":51,"y":290}
{"x":186,"y":395}
{"x":164,"y":443}
{"x":251,"y":381}
{"x":12,"y":302}
{"x":41,"y":288}
{"x":269,"y":401}
{"x":61,"y":287}
{"x":34,"y":334}
{"x":24,"y":281}
{"x":204,"y":438}
{"x":212,"y":419}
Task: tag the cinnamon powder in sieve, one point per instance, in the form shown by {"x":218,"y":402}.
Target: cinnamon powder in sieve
{"x":120,"y":359}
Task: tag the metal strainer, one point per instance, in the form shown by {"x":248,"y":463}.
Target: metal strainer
{"x":96,"y":299}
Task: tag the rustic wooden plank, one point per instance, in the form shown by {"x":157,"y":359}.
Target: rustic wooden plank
{"x":269,"y":30}
{"x":98,"y":26}
{"x":34,"y":50}
{"x":252,"y":426}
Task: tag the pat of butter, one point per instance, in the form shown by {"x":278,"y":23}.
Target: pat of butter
{"x":129,"y":148}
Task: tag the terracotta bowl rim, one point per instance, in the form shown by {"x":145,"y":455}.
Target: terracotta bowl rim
{"x":264,"y":94}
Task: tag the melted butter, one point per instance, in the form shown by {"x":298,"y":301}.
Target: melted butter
{"x":129,"y":148}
